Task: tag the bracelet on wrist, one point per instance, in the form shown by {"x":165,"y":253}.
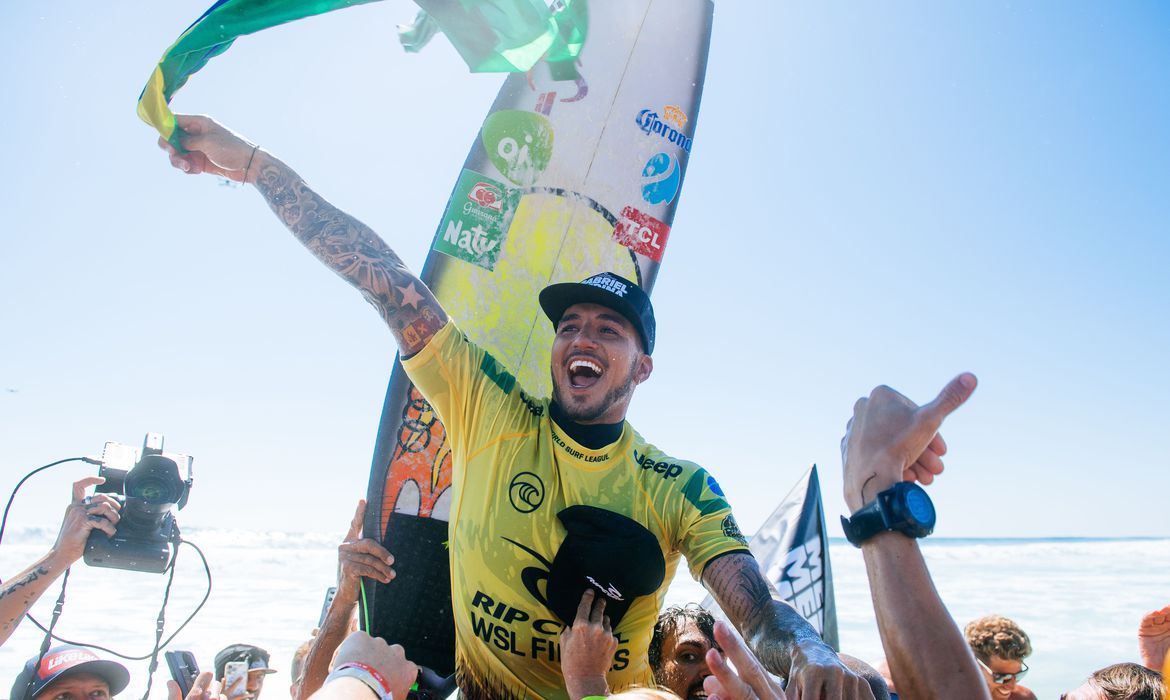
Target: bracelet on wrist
{"x":366,"y":674}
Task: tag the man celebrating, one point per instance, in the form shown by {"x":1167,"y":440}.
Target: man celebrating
{"x":550,"y":496}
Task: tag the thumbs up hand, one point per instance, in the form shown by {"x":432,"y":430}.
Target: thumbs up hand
{"x":891,"y":439}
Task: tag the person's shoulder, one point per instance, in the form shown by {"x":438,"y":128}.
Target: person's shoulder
{"x":653,"y":462}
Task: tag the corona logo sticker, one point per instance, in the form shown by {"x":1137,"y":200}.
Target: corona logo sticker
{"x":674,"y":115}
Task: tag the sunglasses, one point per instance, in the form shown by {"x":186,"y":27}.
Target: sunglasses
{"x":999,"y":678}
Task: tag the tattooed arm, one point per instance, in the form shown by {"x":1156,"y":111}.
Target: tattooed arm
{"x":784,"y":642}
{"x":18,"y":593}
{"x":344,"y":244}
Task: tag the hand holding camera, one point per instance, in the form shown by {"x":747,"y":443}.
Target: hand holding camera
{"x":84,"y":515}
{"x":146,"y":533}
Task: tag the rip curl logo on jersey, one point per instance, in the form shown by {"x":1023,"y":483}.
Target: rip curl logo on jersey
{"x":526,"y":492}
{"x":660,"y":179}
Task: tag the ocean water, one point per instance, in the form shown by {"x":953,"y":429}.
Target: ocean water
{"x":1079,"y":600}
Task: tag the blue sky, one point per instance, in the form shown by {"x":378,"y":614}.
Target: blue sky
{"x":877,"y":194}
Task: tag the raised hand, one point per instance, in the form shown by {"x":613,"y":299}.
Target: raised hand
{"x":200,"y":689}
{"x":211,"y":148}
{"x":587,"y":648}
{"x":752,"y":681}
{"x":892,"y":439}
{"x":82,"y":516}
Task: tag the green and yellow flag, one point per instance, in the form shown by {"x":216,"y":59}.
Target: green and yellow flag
{"x":490,"y":35}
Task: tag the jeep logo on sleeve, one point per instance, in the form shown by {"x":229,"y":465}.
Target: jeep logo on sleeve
{"x":667,"y":470}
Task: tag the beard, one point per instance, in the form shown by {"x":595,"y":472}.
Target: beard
{"x":581,"y":411}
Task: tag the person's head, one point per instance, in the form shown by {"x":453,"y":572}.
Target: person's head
{"x":1000,"y":647}
{"x":71,"y":673}
{"x":603,"y":338}
{"x":297,"y":669}
{"x":678,"y":650}
{"x":1126,"y":681}
{"x":255,"y":657}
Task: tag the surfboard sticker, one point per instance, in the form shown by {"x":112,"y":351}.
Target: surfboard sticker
{"x":570,"y":175}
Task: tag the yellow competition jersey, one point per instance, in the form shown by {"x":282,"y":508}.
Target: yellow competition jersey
{"x":514,"y":469}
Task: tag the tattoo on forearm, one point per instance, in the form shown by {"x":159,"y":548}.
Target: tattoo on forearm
{"x":13,"y":586}
{"x":356,"y":253}
{"x":770,"y":626}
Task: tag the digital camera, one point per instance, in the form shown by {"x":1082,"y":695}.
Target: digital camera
{"x":147,"y":534}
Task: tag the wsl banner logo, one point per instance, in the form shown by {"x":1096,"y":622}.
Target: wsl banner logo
{"x":665,"y":127}
{"x":660,"y":179}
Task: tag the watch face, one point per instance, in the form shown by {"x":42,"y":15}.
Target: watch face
{"x":919,"y":506}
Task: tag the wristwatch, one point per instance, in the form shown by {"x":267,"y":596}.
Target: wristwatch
{"x":904,"y":508}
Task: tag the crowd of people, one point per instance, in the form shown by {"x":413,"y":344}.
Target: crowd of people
{"x":614,"y":637}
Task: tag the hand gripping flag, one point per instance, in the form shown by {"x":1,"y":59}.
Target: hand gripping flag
{"x":792,"y":548}
{"x":490,"y":35}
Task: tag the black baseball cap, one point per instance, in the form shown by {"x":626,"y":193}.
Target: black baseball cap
{"x":615,"y":556}
{"x":255,"y":657}
{"x":606,"y":289}
{"x":67,"y":660}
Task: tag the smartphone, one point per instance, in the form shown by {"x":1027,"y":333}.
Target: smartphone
{"x":233,"y":671}
{"x":184,"y":670}
{"x":329,"y":595}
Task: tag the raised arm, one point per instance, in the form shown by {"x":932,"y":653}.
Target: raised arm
{"x":82,"y":516}
{"x":344,"y":244}
{"x":890,"y":439}
{"x":784,"y":642}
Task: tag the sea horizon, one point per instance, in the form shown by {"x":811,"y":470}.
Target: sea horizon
{"x":1079,"y":598}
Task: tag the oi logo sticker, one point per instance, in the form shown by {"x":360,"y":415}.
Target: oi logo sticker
{"x":519,"y":144}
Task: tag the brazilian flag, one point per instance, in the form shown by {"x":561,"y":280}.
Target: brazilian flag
{"x":490,"y":35}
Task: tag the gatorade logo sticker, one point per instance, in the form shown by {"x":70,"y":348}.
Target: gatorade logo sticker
{"x":641,"y":233}
{"x":660,"y":179}
{"x":476,"y":220}
{"x":519,"y":144}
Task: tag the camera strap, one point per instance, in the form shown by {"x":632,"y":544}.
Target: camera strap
{"x":160,"y":622}
{"x":48,"y":640}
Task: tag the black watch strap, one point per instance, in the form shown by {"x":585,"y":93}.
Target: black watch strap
{"x":865,"y":523}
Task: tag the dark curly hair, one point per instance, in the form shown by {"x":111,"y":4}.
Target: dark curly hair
{"x":996,"y":635}
{"x":671,"y":620}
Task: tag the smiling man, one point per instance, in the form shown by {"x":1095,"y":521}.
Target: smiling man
{"x":550,"y":495}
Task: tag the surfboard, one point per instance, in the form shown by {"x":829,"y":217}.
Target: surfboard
{"x":573,"y":172}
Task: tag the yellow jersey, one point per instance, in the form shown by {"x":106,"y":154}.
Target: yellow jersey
{"x":514,"y":469}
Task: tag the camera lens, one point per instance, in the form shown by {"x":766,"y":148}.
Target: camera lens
{"x":153,"y":487}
